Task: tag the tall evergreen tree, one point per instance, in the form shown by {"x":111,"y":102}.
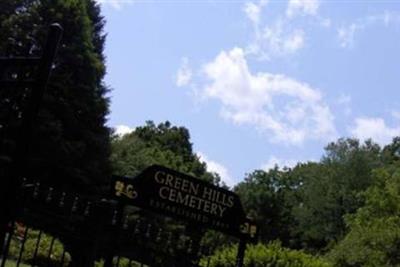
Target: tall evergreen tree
{"x":70,"y":144}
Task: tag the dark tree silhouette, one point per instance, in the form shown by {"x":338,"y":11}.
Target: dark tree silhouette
{"x":70,"y":142}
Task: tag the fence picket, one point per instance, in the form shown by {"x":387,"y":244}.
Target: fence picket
{"x":21,"y":251}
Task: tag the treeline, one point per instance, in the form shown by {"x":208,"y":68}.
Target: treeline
{"x":344,"y":207}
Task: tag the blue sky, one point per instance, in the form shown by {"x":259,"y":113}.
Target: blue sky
{"x":257,"y":83}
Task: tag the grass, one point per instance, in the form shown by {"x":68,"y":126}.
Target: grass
{"x":11,"y":263}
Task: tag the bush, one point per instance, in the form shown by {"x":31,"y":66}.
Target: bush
{"x":260,"y":255}
{"x":123,"y":262}
{"x":43,"y":249}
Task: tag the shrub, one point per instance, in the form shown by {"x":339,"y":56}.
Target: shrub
{"x":260,"y":255}
{"x":42,"y":252}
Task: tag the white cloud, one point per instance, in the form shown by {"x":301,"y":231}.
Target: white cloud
{"x":386,"y":18}
{"x":273,"y":161}
{"x":294,"y":42}
{"x":278,"y":39}
{"x":216,"y":167}
{"x":302,"y":7}
{"x":116,"y":4}
{"x":253,"y":11}
{"x":289,"y":111}
{"x":122,"y":130}
{"x":374,"y":128}
{"x":346,"y":33}
{"x":184,"y":74}
{"x":281,"y":37}
{"x":272,"y":40}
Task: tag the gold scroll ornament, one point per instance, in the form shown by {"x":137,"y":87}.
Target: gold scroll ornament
{"x":249,"y":229}
{"x":122,"y":189}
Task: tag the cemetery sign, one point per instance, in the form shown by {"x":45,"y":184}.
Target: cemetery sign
{"x":175,"y":194}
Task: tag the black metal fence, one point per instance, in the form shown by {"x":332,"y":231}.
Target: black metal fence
{"x":22,"y":85}
{"x":57,"y":228}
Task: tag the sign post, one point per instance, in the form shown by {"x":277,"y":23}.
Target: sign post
{"x":240,"y":253}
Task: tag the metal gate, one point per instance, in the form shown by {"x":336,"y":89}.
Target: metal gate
{"x":64,"y":229}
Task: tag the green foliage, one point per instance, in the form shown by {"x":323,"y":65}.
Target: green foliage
{"x":266,"y":197}
{"x":29,"y":249}
{"x":70,"y":140}
{"x":271,"y":255}
{"x":304,"y":207}
{"x":164,"y":145}
{"x":374,"y":231}
{"x":330,"y":189}
{"x":11,"y":263}
{"x":391,"y":152}
{"x":123,"y":262}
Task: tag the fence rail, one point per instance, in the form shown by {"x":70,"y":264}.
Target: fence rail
{"x":53,"y":221}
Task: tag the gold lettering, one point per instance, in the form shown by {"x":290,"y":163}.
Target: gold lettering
{"x":223,"y":200}
{"x":213,"y":195}
{"x":178,"y":182}
{"x":230,"y":201}
{"x":221,"y":210}
{"x":213,"y":209}
{"x":159,"y":177}
{"x":172,"y":195}
{"x":206,"y":207}
{"x":207,"y":193}
{"x":194,"y":189}
{"x":182,"y":200}
{"x":170,"y":178}
{"x":218,"y":200}
{"x":185,"y":185}
{"x":163,"y":189}
{"x":200,"y":202}
{"x":192,"y":202}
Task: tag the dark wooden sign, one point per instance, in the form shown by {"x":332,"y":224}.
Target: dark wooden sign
{"x":175,"y":194}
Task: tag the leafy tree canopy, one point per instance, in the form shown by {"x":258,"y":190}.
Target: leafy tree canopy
{"x":163,"y":144}
{"x":374,"y":230}
{"x":330,"y":190}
